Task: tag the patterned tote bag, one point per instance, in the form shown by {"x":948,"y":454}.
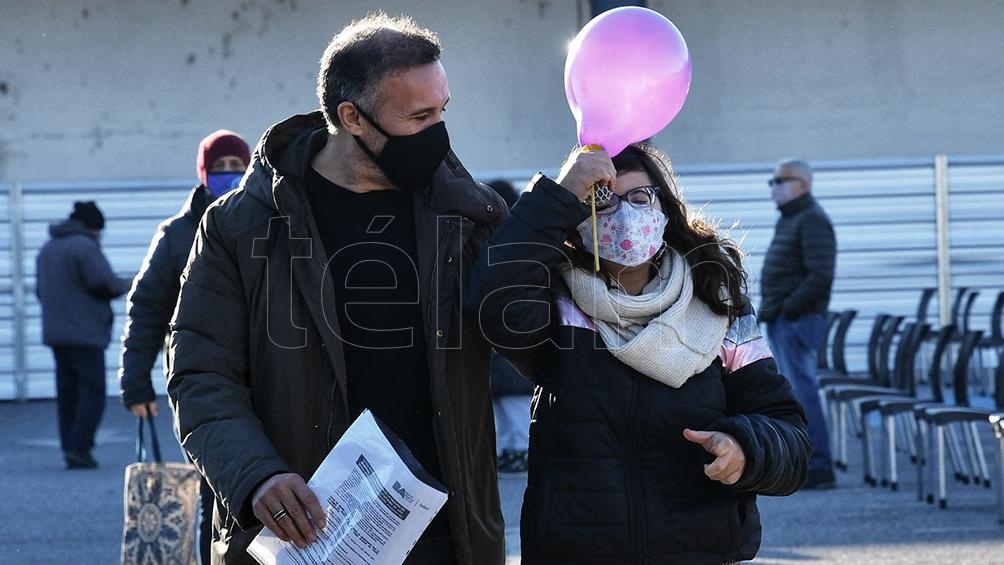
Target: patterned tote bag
{"x":161,"y":502}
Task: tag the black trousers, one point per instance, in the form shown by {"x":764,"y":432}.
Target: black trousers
{"x":80,"y":395}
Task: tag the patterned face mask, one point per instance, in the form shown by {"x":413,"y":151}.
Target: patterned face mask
{"x":629,"y":237}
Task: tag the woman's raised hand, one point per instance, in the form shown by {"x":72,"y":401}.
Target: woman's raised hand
{"x":584,"y":168}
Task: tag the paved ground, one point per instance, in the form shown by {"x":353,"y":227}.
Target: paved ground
{"x":50,"y":515}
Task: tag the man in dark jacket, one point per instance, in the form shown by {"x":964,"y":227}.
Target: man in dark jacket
{"x":796,"y":281}
{"x":75,"y":285}
{"x":331,"y":284}
{"x":221,"y":161}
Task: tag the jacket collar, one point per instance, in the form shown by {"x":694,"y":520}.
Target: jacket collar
{"x":198,"y":201}
{"x":797,"y":205}
{"x":282,"y":156}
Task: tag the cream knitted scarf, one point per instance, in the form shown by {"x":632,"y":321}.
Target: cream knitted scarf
{"x":665,"y":332}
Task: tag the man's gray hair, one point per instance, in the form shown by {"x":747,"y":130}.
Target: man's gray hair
{"x":362,"y":53}
{"x":800,"y":166}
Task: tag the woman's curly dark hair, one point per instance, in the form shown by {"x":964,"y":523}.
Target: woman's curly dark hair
{"x":715,"y":261}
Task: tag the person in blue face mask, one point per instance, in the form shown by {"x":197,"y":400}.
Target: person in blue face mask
{"x":222,"y":158}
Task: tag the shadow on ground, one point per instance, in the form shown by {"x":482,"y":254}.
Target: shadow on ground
{"x":51,"y":515}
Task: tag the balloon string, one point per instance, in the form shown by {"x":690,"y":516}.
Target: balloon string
{"x":596,"y":243}
{"x":592,"y":205}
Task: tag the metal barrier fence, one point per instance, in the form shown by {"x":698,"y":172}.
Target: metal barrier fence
{"x":133,"y":209}
{"x":902,"y":226}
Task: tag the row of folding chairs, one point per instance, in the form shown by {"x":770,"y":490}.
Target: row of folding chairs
{"x":961,"y":313}
{"x":934,"y":412}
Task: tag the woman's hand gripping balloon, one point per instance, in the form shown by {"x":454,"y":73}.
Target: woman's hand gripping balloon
{"x":584,"y":168}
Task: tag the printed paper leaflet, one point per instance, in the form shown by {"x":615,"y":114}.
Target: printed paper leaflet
{"x":377,"y":498}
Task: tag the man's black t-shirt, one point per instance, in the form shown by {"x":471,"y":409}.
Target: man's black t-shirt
{"x":373,"y":265}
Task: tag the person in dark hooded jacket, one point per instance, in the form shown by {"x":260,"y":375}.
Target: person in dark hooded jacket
{"x":75,"y":285}
{"x":221,"y":160}
{"x":331,"y":284}
{"x":659,"y":414}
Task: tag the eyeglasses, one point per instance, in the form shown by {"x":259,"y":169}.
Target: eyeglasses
{"x":641,"y":197}
{"x":777,"y":181}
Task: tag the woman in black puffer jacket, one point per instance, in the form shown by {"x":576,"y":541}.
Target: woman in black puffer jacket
{"x":659,"y":413}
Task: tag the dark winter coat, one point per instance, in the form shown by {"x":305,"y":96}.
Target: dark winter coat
{"x":797,"y":274}
{"x":152,"y":299}
{"x":75,"y":285}
{"x":258,"y":393}
{"x":612,"y":480}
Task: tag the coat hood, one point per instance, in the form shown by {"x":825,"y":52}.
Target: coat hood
{"x":285,"y":150}
{"x":67,"y":228}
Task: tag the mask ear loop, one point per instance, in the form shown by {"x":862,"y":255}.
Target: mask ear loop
{"x":362,"y":145}
{"x":370,"y":119}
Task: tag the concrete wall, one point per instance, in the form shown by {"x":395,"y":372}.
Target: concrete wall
{"x":111,"y":89}
{"x":839,"y":79}
{"x":107,"y":89}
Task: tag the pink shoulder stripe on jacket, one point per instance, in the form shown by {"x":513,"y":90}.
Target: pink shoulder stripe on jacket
{"x":743,"y":345}
{"x":571,"y":315}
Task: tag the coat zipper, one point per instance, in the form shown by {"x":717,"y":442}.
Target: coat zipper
{"x":433,"y":345}
{"x":331,"y":416}
{"x":631,"y":467}
{"x":441,"y":408}
{"x":432,"y":282}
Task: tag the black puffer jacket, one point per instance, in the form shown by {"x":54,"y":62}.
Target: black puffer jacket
{"x":153,"y":297}
{"x":258,"y":379}
{"x":797,"y":274}
{"x":612,"y":479}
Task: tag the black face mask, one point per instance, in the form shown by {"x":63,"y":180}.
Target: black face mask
{"x":409,"y":161}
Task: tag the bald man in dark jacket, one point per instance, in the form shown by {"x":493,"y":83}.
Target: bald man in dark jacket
{"x":796,"y":282}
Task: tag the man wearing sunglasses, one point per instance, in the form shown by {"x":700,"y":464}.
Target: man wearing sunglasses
{"x":795,"y":284}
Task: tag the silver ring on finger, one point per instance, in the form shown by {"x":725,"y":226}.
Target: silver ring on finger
{"x":279,"y":515}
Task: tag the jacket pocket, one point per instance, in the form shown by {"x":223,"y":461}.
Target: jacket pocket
{"x":736,"y":519}
{"x":748,"y":542}
{"x":534,"y":522}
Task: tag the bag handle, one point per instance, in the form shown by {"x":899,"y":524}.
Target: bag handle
{"x":141,"y":453}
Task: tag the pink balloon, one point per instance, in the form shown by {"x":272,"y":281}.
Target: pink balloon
{"x":627,"y":76}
